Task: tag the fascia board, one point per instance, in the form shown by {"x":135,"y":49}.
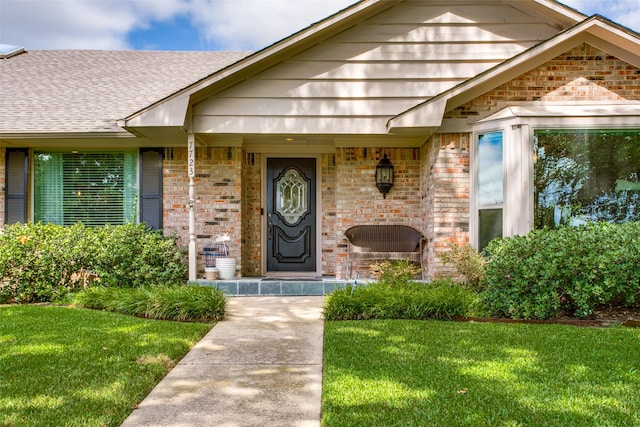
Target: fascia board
{"x":621,"y":43}
{"x":585,"y":32}
{"x":561,"y":9}
{"x":426,"y":115}
{"x":65,"y":135}
{"x":259,"y":61}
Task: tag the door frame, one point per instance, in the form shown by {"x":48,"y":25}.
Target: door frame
{"x":263,"y":210}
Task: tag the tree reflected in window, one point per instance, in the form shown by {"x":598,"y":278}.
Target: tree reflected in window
{"x":586,"y":175}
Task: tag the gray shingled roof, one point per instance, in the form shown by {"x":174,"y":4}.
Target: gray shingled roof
{"x":63,"y":91}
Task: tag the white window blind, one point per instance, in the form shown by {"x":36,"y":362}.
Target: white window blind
{"x":92,"y":188}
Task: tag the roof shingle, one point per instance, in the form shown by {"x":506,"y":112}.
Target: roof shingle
{"x":60,"y":91}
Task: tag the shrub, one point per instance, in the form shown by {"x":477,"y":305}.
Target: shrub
{"x":134,"y":255}
{"x":402,"y":300}
{"x":394,"y":272}
{"x":570,"y":268}
{"x":183,"y":303}
{"x":468,"y":263}
{"x":38,"y":260}
{"x":42,"y":262}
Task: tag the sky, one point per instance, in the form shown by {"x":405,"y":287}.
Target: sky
{"x":188,"y":25}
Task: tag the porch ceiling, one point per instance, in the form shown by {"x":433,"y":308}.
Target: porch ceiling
{"x":266,"y":143}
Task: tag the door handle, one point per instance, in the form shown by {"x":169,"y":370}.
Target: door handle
{"x":269,"y":230}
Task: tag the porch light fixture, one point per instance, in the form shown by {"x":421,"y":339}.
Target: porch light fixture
{"x":384,"y":176}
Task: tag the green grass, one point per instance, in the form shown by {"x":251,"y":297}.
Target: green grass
{"x":431,"y":373}
{"x":77,"y":367}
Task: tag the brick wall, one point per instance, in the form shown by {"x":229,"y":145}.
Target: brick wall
{"x":251,"y":218}
{"x":358,"y":200}
{"x":330,"y":238}
{"x":431,"y":189}
{"x":582,"y":74}
{"x":218,"y":197}
{"x":445,"y":197}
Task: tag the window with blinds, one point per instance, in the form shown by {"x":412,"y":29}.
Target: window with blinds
{"x":92,"y":188}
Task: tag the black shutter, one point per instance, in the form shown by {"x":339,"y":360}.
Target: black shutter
{"x":151,"y":187}
{"x":16,"y":186}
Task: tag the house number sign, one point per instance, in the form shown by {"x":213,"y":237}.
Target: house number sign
{"x":191,"y":165}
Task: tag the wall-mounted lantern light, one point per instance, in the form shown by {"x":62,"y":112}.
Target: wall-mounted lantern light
{"x":384,"y":176}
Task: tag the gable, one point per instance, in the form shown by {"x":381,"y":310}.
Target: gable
{"x":353,"y":82}
{"x":362,"y":68}
{"x":583,"y":74}
{"x":610,"y":41}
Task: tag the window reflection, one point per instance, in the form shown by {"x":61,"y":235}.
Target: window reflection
{"x":586,"y":175}
{"x":490,"y":187}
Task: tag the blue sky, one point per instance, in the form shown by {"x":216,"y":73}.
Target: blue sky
{"x":193,"y":24}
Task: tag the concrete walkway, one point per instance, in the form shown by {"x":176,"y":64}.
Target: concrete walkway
{"x":261,"y":366}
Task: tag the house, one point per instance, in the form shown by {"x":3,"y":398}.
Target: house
{"x":498,"y":117}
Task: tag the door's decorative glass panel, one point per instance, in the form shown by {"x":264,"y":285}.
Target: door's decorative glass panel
{"x":292,"y":192}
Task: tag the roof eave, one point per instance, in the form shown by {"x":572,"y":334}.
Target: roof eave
{"x":64,"y":135}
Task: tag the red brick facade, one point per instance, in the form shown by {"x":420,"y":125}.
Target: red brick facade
{"x":432,"y":183}
{"x":219,"y":196}
{"x":445,"y":197}
{"x":358,"y":200}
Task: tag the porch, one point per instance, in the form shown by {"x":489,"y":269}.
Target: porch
{"x":263,"y":286}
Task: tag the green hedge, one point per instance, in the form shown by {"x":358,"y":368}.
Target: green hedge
{"x":402,"y":300}
{"x":41,"y":262}
{"x":182,"y":303}
{"x":571,"y":268}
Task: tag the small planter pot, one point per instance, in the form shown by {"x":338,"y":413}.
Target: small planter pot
{"x":211,"y":273}
{"x":226,"y":268}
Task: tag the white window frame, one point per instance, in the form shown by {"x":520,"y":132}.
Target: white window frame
{"x":518,"y":161}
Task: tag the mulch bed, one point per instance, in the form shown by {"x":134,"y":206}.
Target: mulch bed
{"x":602,"y":317}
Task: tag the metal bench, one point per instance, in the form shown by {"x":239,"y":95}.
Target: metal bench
{"x":383,"y":242}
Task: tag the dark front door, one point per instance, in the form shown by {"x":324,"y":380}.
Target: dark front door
{"x":291,"y":216}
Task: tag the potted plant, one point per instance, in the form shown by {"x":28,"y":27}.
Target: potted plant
{"x":226,"y":265}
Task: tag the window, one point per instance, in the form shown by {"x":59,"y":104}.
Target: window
{"x":92,"y":188}
{"x":586,"y":175}
{"x":490,"y":195}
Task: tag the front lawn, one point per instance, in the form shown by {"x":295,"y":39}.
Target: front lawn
{"x":434,"y":373}
{"x":77,"y":367}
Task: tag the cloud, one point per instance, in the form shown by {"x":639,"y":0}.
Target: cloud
{"x":105,"y":24}
{"x":223,"y":24}
{"x":80,"y":24}
{"x":625,"y":12}
{"x":254,"y":24}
